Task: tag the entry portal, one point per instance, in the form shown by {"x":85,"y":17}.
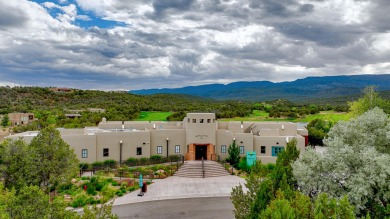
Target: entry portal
{"x":200,"y":151}
{"x":197,"y":151}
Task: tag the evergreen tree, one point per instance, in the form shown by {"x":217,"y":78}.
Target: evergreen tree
{"x":234,"y":154}
{"x":54,"y":160}
{"x":5,"y":121}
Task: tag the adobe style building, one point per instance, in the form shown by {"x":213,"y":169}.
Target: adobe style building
{"x":20,"y":118}
{"x":198,"y":135}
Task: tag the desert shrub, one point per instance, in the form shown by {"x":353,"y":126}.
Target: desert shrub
{"x":84,"y":166}
{"x":80,"y":200}
{"x":110,"y":163}
{"x":242,"y":165}
{"x":144,"y":160}
{"x":174,"y":158}
{"x":155,"y":157}
{"x":131,"y":161}
{"x":99,"y":186}
{"x":97,"y":164}
{"x":108,"y":193}
{"x":91,"y":189}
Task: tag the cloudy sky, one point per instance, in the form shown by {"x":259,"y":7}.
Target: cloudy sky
{"x":137,"y":44}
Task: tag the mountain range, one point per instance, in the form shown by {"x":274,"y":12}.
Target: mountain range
{"x":298,"y":90}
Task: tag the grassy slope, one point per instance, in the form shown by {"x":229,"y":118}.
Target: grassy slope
{"x":263,"y":116}
{"x":153,"y":116}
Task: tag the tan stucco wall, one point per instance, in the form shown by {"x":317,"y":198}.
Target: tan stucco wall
{"x":79,"y":142}
{"x":176,"y":137}
{"x":130,"y":142}
{"x":224,"y":137}
{"x":200,"y":133}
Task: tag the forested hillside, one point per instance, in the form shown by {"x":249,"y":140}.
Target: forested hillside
{"x":300,"y":90}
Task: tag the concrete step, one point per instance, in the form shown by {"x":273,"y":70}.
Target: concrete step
{"x":193,"y":169}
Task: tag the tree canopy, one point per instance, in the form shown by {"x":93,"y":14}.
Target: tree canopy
{"x":356,"y":164}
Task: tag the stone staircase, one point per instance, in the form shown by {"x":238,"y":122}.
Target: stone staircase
{"x":193,"y":169}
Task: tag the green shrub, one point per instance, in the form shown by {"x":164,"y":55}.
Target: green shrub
{"x":97,"y":164}
{"x":91,"y":190}
{"x":110,"y":163}
{"x":131,"y":189}
{"x":108,"y":193}
{"x":123,"y":185}
{"x":84,"y":166}
{"x":242,"y":165}
{"x":109,"y":180}
{"x":85,"y":178}
{"x":80,"y":200}
{"x":99,"y":187}
{"x":114,"y":183}
{"x":131,"y":161}
{"x":119,"y":193}
{"x":144,"y":160}
{"x":174,"y":158}
{"x":94,"y":179}
{"x":65,"y":186}
{"x":155,"y":157}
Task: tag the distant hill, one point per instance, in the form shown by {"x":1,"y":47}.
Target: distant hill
{"x":298,"y":90}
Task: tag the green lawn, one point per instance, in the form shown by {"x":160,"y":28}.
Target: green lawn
{"x":153,"y":116}
{"x":258,"y":115}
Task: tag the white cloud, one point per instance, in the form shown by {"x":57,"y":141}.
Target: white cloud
{"x":173,"y":43}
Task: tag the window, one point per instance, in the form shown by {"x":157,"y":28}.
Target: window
{"x":241,"y":149}
{"x":276,"y":150}
{"x":159,"y":149}
{"x":105,"y":152}
{"x":139,"y":151}
{"x":193,"y":120}
{"x":188,"y":120}
{"x":177,"y":149}
{"x":84,"y":153}
{"x":262,"y":149}
{"x":223,"y":149}
{"x":201,"y":120}
{"x":208,"y":120}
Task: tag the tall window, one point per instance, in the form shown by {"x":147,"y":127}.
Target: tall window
{"x":139,"y":151}
{"x":105,"y":152}
{"x":208,"y":120}
{"x":276,"y":150}
{"x":223,"y":149}
{"x":84,"y":153}
{"x":159,"y":149}
{"x":201,"y":120}
{"x":242,"y":149}
{"x":193,"y":120}
{"x":262,"y":149}
{"x":177,"y":149}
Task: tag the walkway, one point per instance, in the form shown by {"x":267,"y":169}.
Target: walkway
{"x":179,"y":187}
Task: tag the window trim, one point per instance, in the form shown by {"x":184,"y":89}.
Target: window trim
{"x":159,"y":149}
{"x":261,"y":149}
{"x":84,"y":155}
{"x":139,"y":150}
{"x":223,"y":149}
{"x":106,"y":153}
{"x":177,"y":149}
{"x":243,"y":150}
{"x":276,"y":150}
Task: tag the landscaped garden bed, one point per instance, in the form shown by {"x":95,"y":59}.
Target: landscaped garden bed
{"x":109,"y":182}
